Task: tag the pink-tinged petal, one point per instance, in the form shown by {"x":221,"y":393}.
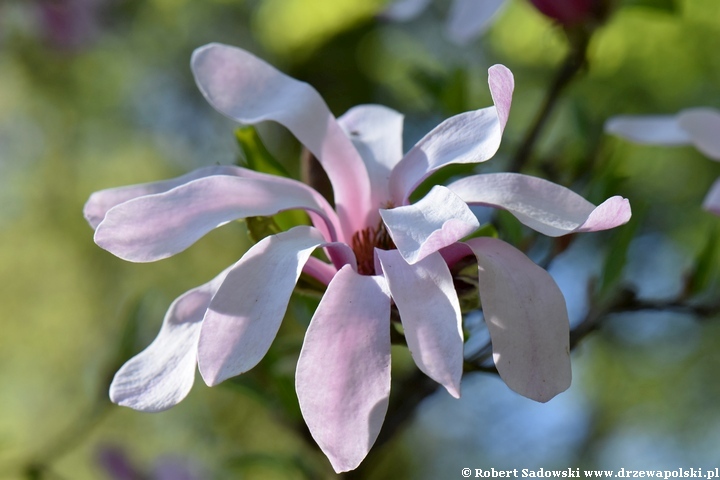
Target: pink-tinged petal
{"x":544,"y":206}
{"x":502,"y":84}
{"x":470,"y":18}
{"x":527,"y":318}
{"x":439,"y":219}
{"x":319,"y":270}
{"x":703,"y":127}
{"x":470,"y":137}
{"x":162,"y":375}
{"x":158,"y":226}
{"x":613,"y":212}
{"x":454,"y":253}
{"x":376,"y":132}
{"x":430,"y":312}
{"x":100,"y":202}
{"x":340,"y":254}
{"x":648,"y":129}
{"x":249,"y":91}
{"x":245,"y":313}
{"x":343,"y":373}
{"x":405,"y":10}
{"x":712,"y":199}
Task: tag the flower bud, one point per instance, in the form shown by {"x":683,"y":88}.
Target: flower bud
{"x":567,"y":12}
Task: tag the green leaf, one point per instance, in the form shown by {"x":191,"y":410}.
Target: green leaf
{"x":510,"y":228}
{"x":454,"y":94}
{"x":485,"y":230}
{"x":255,"y":156}
{"x":261,"y":227}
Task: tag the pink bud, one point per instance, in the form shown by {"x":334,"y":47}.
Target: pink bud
{"x":567,"y":12}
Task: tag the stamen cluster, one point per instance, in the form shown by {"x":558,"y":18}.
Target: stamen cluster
{"x":364,"y":243}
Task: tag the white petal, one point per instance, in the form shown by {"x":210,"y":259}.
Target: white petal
{"x":470,"y":137}
{"x":439,"y":219}
{"x":527,"y":318}
{"x":100,"y":202}
{"x":544,"y":206}
{"x":703,"y":127}
{"x":430,"y":311}
{"x":250,"y":91}
{"x":648,"y":129}
{"x":712,"y":199}
{"x":404,"y":10}
{"x":343,"y":373}
{"x":162,"y":375}
{"x":376,"y":132}
{"x":158,"y":226}
{"x":470,"y":18}
{"x":245,"y":314}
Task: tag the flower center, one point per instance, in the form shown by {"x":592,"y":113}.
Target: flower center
{"x":364,"y":244}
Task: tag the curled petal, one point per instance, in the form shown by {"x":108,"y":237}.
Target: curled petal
{"x":321,"y":271}
{"x":158,"y":226}
{"x":245,"y":314}
{"x":430,"y":312}
{"x":648,"y":129}
{"x":100,"y":202}
{"x":703,"y":127}
{"x":527,"y":319}
{"x":340,"y":254}
{"x":249,"y":91}
{"x":470,"y":137}
{"x":162,"y":375}
{"x":712,"y":199}
{"x":544,"y":206}
{"x":343,"y":373}
{"x":439,"y":219}
{"x":376,"y":132}
{"x":469,"y":18}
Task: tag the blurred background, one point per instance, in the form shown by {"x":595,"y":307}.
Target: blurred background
{"x":98,"y":93}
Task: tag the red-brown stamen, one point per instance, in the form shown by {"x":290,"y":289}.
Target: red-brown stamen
{"x":364,"y":244}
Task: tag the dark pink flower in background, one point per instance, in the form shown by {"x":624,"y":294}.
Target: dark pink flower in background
{"x":567,"y":12}
{"x":70,"y":24}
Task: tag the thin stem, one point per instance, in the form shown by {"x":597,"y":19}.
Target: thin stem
{"x":622,"y":301}
{"x":574,"y":62}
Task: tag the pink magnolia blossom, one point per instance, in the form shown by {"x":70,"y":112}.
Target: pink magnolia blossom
{"x":382,"y":249}
{"x":699,"y":127}
{"x":466,"y":21}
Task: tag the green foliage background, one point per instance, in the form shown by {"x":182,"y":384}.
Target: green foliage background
{"x":122,"y":108}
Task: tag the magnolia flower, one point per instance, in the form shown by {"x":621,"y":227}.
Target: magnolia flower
{"x":699,"y":127}
{"x":466,"y":21}
{"x":382,"y":249}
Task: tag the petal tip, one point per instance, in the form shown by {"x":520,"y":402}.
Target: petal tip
{"x":613,"y":212}
{"x":209,"y":373}
{"x":453,"y":390}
